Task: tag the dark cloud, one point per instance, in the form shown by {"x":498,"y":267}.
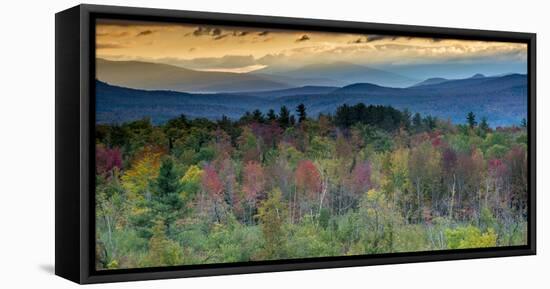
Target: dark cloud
{"x":192,"y":49}
{"x":145,"y":32}
{"x":303,"y":38}
{"x":112,"y":34}
{"x":263,"y":33}
{"x":359,"y":40}
{"x":108,"y":46}
{"x":216,"y":32}
{"x":207,"y":31}
{"x":374,"y":37}
{"x":200,"y":31}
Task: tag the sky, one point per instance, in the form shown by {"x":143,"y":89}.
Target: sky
{"x":244,"y":50}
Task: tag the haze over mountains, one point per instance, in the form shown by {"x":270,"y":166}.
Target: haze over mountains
{"x":342,"y":73}
{"x":147,"y":75}
{"x":132,"y":90}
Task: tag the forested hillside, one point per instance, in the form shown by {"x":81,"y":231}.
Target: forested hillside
{"x":502,"y":99}
{"x":289,"y":184}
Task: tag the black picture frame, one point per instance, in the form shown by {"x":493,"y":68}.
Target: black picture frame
{"x":75,"y":153}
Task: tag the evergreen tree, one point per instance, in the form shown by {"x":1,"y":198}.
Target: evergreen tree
{"x":258,"y":116}
{"x":271,"y":116}
{"x":406,"y":119}
{"x":471,"y":119}
{"x":284,"y":117}
{"x":292,"y":120}
{"x":417,"y":122}
{"x":174,"y":129}
{"x":301,"y":110}
{"x":484,"y":125}
{"x":165,"y":200}
{"x":430,"y":122}
{"x":247,"y":117}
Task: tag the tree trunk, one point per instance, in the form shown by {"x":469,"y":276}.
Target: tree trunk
{"x":452,"y":198}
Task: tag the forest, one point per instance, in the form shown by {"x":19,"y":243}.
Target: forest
{"x":282,"y":184}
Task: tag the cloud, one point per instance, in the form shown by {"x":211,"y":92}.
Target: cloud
{"x":359,"y":40}
{"x":303,"y":38}
{"x":112,"y":34}
{"x":207,"y":31}
{"x":216,"y":32}
{"x":240,"y":33}
{"x":224,"y":62}
{"x":374,"y":37}
{"x":145,"y":32}
{"x":221,"y":36}
{"x":108,"y":46}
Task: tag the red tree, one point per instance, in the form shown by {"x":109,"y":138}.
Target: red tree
{"x":211,"y":183}
{"x":253,"y":181}
{"x":107,"y":159}
{"x":360,"y":178}
{"x":308,"y":179}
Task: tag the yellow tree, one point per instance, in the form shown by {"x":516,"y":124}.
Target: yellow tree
{"x":162,"y":251}
{"x":145,"y":168}
{"x":191,"y":182}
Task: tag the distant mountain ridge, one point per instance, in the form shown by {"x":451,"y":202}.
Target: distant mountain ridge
{"x":503,"y":100}
{"x":152,"y":76}
{"x":346,"y":73}
{"x":430,"y":81}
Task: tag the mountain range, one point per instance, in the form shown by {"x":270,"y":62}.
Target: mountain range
{"x":502,"y":99}
{"x":151,"y":76}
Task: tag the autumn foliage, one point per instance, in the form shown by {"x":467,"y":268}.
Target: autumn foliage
{"x":291,"y":184}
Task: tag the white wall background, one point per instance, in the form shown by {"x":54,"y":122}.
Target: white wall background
{"x":27,"y":144}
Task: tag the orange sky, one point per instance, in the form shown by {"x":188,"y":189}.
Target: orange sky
{"x":237,"y":49}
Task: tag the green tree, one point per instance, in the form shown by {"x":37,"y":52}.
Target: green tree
{"x":162,"y":251}
{"x":258,"y":116}
{"x":471,"y":119}
{"x":483,"y":126}
{"x":417,"y":122}
{"x":272,"y":213}
{"x":284,"y":117}
{"x":175,"y":129}
{"x":271,"y":116}
{"x":166,"y":202}
{"x":301,"y":110}
{"x":406,"y":119}
{"x":470,"y":237}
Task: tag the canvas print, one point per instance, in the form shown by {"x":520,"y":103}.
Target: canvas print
{"x":221,"y":144}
